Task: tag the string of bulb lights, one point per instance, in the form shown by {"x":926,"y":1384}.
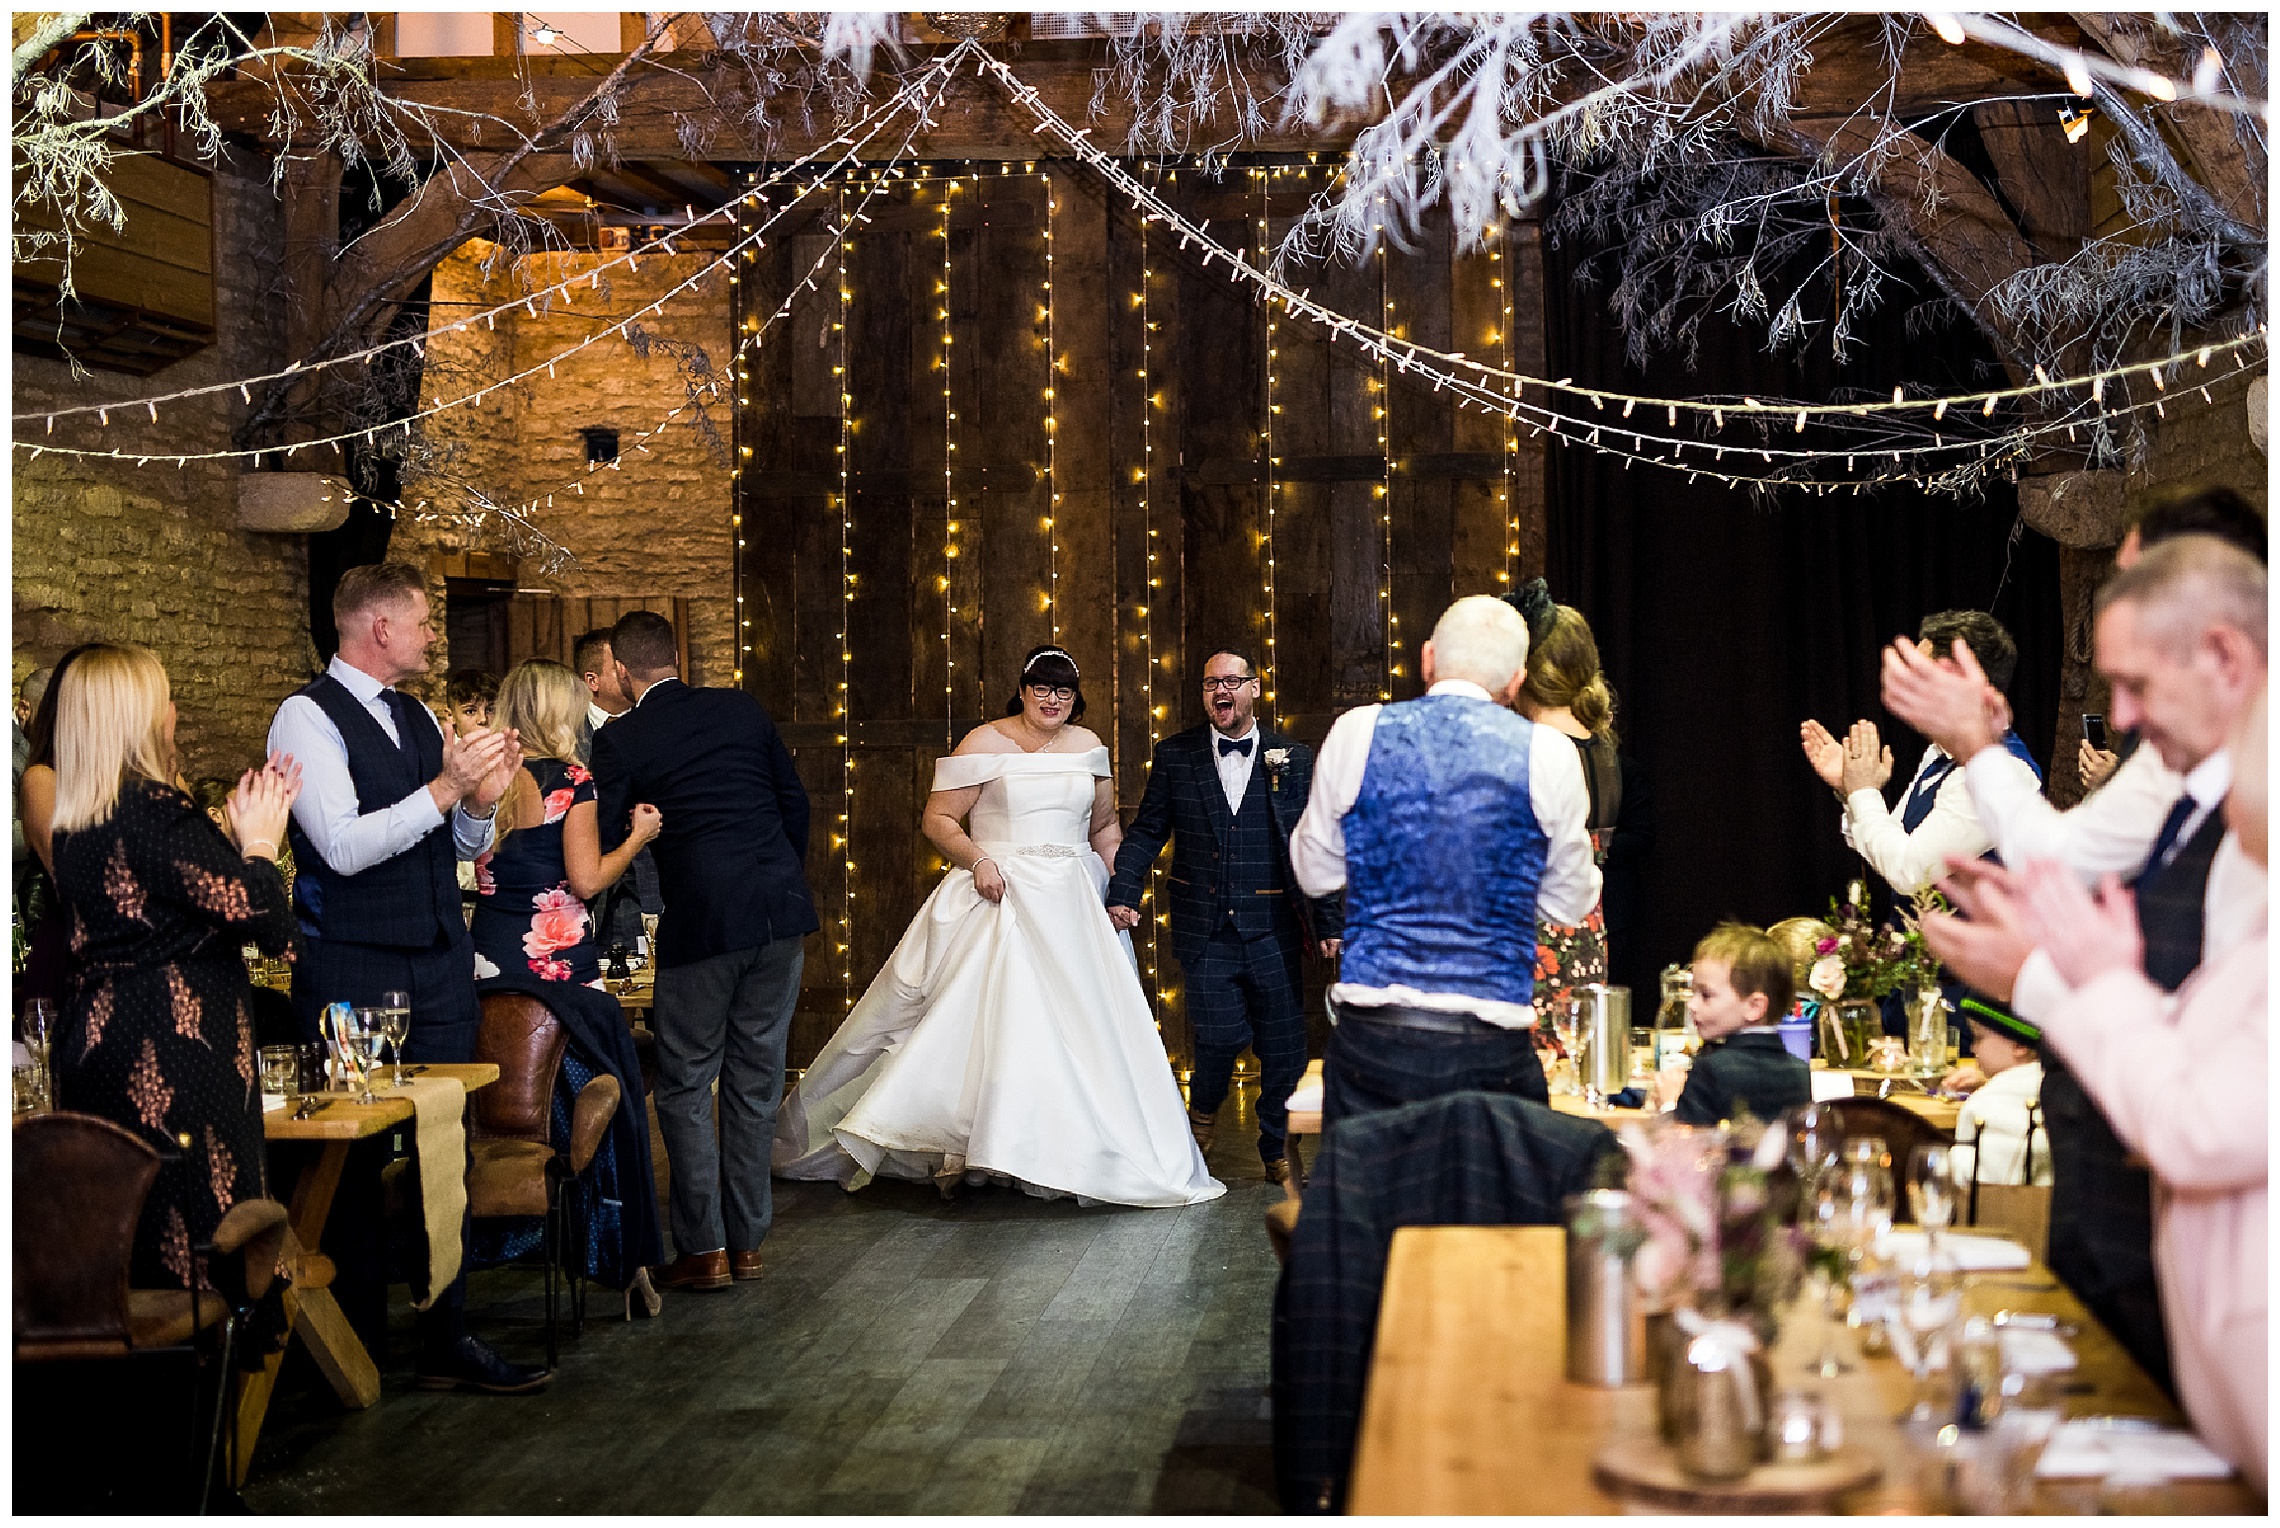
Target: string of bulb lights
{"x":852,"y":141}
{"x":1503,"y":390}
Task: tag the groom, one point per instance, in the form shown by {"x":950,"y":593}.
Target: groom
{"x":1227,"y":795}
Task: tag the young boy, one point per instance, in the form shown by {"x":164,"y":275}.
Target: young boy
{"x":1742,"y":987}
{"x":467,"y":696}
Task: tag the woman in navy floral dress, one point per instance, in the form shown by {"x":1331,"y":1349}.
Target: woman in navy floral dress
{"x":533,"y":889}
{"x":158,"y":1029}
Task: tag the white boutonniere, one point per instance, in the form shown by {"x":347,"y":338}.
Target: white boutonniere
{"x":1275,"y":759}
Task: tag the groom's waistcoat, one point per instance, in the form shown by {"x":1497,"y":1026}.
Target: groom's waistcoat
{"x":1444,"y":853}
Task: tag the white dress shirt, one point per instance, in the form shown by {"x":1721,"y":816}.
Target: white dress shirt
{"x":2109,"y":831}
{"x":1909,"y":862}
{"x":1991,"y":1129}
{"x":596,"y":717}
{"x":2232,"y":906}
{"x":1567,"y":893}
{"x":1235,"y":768}
{"x":351,"y":841}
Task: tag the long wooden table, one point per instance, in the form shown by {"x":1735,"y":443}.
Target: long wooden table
{"x":1468,"y":1410}
{"x":312,"y":1314}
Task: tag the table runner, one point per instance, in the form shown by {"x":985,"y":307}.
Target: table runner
{"x":439,"y":1106}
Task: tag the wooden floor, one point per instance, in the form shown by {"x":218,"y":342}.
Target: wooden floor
{"x":902,"y":1354}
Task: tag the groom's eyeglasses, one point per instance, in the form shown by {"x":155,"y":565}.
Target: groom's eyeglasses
{"x":1227,"y":686}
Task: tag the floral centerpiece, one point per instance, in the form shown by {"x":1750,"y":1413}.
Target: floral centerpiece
{"x":1859,"y":961}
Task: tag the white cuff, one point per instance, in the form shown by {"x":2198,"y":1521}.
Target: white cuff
{"x":2038,"y":989}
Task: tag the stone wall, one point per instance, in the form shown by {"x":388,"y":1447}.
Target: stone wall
{"x":107,"y":549}
{"x":2203,"y":445}
{"x":658,"y":523}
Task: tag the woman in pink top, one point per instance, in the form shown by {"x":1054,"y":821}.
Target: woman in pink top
{"x":2183,"y":1079}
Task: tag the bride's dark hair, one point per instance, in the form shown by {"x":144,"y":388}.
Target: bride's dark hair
{"x":1053,"y":667}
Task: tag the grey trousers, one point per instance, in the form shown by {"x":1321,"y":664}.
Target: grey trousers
{"x":726,"y":1018}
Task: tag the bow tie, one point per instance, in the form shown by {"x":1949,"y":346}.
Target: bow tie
{"x":1241,"y":745}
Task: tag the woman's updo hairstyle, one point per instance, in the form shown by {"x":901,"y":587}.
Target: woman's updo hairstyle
{"x":1053,"y":667}
{"x":1563,"y":670}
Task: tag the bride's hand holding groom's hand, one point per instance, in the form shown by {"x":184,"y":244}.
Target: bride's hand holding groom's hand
{"x":1126,"y":918}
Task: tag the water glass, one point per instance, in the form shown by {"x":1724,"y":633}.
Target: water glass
{"x":27,"y":1089}
{"x":1929,"y":1304}
{"x":360,"y":1039}
{"x":1567,"y":1023}
{"x":39,"y":1042}
{"x":1815,"y":1135}
{"x":396,"y":1024}
{"x":280,"y":1070}
{"x":1932,"y":1187}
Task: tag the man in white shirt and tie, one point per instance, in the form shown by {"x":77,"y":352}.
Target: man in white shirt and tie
{"x":1937,"y":817}
{"x":1452,"y":824}
{"x":389,"y":802}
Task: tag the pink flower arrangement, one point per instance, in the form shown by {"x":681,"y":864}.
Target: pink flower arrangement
{"x":1674,"y":1189}
{"x":558,"y":924}
{"x":558,"y":803}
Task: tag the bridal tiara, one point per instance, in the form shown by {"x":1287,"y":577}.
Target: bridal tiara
{"x":1050,"y":652}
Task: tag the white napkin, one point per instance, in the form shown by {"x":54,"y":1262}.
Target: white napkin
{"x":2027,"y":1351}
{"x":1972,"y":1254}
{"x":1829,"y":1085}
{"x":1306,"y":1098}
{"x":2102,"y":1446}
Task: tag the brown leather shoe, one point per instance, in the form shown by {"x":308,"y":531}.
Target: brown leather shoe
{"x":745,"y":1265}
{"x":1204,"y":1127}
{"x":1278,"y":1171}
{"x":695,"y":1270}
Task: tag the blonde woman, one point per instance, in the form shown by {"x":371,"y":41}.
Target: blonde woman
{"x":533,"y":887}
{"x":158,"y":1035}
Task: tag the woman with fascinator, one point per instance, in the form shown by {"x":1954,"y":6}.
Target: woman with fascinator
{"x":1008,"y":1038}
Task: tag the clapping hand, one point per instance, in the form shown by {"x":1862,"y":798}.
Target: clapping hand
{"x":468,"y":762}
{"x":1823,"y":752}
{"x":1948,"y":699}
{"x":1867,"y":762}
{"x":1988,"y":945}
{"x":262,"y":804}
{"x":494,"y":784}
{"x":2084,"y":938}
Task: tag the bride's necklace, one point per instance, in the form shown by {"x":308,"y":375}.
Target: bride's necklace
{"x":1028,"y":731}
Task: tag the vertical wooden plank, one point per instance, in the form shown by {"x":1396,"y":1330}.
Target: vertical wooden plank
{"x":1080,"y":379}
{"x":1301,"y":371}
{"x":1357,"y":542}
{"x":1008,"y":431}
{"x":925,"y":363}
{"x":766,"y":522}
{"x":1477,"y":505}
{"x":965,"y":534}
{"x":1524,"y":259}
{"x":1417,"y":425}
{"x":883,"y":817}
{"x":1124,"y":399}
{"x":1163,"y":458}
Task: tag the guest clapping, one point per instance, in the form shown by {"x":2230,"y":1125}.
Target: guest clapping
{"x":1936,"y":818}
{"x":158,"y":1036}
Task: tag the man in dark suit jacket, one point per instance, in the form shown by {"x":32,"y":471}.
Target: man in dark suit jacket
{"x":1227,"y":795}
{"x":730,"y":864}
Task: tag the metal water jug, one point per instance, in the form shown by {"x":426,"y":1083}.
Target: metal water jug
{"x":1606,"y":1328}
{"x":1605,"y":1033}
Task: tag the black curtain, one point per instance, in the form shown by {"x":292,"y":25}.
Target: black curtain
{"x":1724,"y":621}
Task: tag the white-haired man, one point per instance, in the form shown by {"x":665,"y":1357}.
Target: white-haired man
{"x":1451,"y":823}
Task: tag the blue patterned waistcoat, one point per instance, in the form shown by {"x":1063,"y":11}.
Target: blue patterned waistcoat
{"x":1444,"y":853}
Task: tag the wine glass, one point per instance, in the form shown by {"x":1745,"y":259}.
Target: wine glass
{"x":1815,"y":1134}
{"x":396,"y":1024}
{"x":1930,"y":1299}
{"x":1567,"y":1023}
{"x":281,"y":1070}
{"x":360,"y":1039}
{"x":39,"y":1038}
{"x":1931,"y":1187}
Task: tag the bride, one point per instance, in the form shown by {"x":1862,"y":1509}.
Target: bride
{"x":1007,"y":1036}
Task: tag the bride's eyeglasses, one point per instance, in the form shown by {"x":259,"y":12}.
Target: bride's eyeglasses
{"x":1229,"y":686}
{"x":1061,"y":693}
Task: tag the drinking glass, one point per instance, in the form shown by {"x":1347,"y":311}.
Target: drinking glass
{"x":360,"y":1038}
{"x":280,"y":1070}
{"x":1567,"y":1023}
{"x":39,"y":1037}
{"x":396,"y":1024}
{"x":26,"y":1080}
{"x":1931,"y":1187}
{"x":1930,"y":1299}
{"x":1815,"y":1134}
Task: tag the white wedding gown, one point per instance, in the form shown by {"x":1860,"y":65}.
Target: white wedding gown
{"x":1010,"y":1040}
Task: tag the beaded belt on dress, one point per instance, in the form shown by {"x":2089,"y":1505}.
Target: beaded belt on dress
{"x":1047,"y":851}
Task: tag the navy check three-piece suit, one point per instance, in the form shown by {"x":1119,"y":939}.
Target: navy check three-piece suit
{"x":1238,"y":918}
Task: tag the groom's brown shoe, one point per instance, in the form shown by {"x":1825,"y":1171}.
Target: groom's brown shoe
{"x":1204,"y":1127}
{"x":695,"y":1270}
{"x":745,"y":1265}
